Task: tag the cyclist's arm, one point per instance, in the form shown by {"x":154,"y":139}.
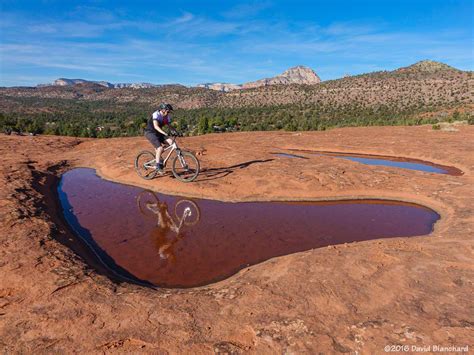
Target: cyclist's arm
{"x":173,"y":131}
{"x":158,"y":128}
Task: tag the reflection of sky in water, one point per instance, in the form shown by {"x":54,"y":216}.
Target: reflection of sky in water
{"x":396,"y":164}
{"x":286,"y":155}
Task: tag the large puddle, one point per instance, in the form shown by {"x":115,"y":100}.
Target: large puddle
{"x":395,"y":162}
{"x":175,"y":242}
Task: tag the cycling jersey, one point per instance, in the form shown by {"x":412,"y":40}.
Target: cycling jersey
{"x":162,"y":121}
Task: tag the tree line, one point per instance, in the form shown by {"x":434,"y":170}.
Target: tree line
{"x":105,"y":119}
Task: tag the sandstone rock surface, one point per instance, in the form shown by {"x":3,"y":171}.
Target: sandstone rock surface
{"x":355,"y":298}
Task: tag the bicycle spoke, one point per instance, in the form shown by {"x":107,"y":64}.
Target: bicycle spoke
{"x":145,"y":165}
{"x":185,"y":166}
{"x":148,"y":173}
{"x":187,"y":212}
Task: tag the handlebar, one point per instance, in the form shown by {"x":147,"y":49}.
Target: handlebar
{"x":176,"y":134}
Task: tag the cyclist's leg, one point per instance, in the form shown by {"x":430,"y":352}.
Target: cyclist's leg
{"x":153,"y":139}
{"x":159,"y":162}
{"x":169,"y":141}
{"x":156,"y":141}
{"x":159,"y":150}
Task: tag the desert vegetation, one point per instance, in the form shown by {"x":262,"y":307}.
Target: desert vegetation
{"x":426,"y":92}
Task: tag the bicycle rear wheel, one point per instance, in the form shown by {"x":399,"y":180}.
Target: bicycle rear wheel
{"x":146,"y":201}
{"x":185,"y":166}
{"x":145,"y":165}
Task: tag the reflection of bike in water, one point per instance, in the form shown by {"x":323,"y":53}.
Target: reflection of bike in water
{"x":168,"y":232}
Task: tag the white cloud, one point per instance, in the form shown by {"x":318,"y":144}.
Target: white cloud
{"x":186,"y":17}
{"x":247,"y":10}
{"x":190,"y":48}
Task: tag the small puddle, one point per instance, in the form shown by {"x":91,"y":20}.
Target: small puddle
{"x":286,"y":155}
{"x":395,"y":162}
{"x":174,"y":242}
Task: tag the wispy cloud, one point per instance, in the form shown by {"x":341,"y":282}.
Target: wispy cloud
{"x":361,"y":42}
{"x":347,"y":29}
{"x":247,"y":10}
{"x":236,"y":45}
{"x":186,"y":17}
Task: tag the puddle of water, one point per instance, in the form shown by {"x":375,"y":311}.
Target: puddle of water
{"x":286,"y":155}
{"x":395,"y":162}
{"x":173,"y":242}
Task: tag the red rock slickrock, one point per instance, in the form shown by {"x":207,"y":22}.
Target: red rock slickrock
{"x":357,"y":297}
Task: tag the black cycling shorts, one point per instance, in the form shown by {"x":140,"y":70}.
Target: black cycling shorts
{"x":157,"y":139}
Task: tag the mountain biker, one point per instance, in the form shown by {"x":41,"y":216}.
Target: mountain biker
{"x":156,"y":135}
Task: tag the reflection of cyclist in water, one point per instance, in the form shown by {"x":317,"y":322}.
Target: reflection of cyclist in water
{"x":186,"y":212}
{"x":165,"y":225}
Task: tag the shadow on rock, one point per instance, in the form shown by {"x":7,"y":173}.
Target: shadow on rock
{"x":217,"y":173}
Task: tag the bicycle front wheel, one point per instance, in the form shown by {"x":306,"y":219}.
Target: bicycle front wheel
{"x":185,"y":166}
{"x":187,"y":210}
{"x":145,"y":165}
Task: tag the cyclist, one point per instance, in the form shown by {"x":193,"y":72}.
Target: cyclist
{"x":156,"y":135}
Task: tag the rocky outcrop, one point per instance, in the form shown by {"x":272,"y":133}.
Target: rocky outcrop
{"x":67,"y":82}
{"x":71,"y":82}
{"x":295,"y":75}
{"x":220,"y":86}
{"x":134,"y":85}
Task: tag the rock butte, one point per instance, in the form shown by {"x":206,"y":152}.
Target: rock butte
{"x":348,"y":298}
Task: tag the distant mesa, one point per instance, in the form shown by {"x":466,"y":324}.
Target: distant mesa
{"x":71,"y":82}
{"x":135,"y":85}
{"x":220,"y":86}
{"x":296,"y":75}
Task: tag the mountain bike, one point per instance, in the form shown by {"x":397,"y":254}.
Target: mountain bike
{"x":185,"y":166}
{"x":186,"y":212}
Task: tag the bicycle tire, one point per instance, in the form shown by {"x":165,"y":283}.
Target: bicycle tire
{"x":144,"y":172}
{"x":195,"y":211}
{"x":188,"y":172}
{"x":144,"y":198}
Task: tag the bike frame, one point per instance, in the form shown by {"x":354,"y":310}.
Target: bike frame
{"x":171,"y":149}
{"x":175,"y":227}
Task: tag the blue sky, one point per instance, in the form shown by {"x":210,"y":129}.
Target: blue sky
{"x":192,"y":42}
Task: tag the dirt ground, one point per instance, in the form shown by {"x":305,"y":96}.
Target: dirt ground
{"x":355,"y":298}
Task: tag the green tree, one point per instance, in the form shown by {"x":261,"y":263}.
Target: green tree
{"x":203,"y":126}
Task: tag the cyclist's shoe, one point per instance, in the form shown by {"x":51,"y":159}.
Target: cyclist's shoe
{"x":159,"y":169}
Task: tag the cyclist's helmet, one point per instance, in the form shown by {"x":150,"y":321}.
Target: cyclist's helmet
{"x":165,"y":106}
